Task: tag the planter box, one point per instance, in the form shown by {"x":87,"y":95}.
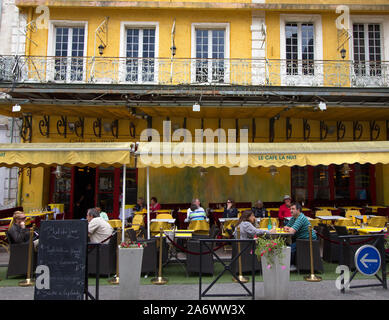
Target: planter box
{"x":276,"y":279}
{"x":130,"y":265}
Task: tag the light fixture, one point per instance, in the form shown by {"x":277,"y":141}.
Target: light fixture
{"x":346,"y":170}
{"x":101,"y":49}
{"x":173,"y":50}
{"x":203,"y":172}
{"x":58,"y":172}
{"x":16,"y":108}
{"x":343,"y":53}
{"x":196,"y":107}
{"x":107,"y":126}
{"x":277,"y":116}
{"x":273,"y":171}
{"x":322,"y":106}
{"x":71,"y":126}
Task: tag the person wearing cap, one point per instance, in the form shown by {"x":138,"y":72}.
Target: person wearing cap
{"x":284,"y":210}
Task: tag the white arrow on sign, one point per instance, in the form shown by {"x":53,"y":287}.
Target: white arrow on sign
{"x":364,"y":260}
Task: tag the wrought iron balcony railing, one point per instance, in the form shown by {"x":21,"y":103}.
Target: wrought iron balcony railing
{"x":163,"y":71}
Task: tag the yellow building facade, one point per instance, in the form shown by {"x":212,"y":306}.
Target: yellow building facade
{"x":105,"y":71}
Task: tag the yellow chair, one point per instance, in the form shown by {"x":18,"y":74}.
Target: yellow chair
{"x":137,"y":222}
{"x":155,"y":226}
{"x":227,"y":225}
{"x":377,"y":222}
{"x":115,"y":223}
{"x":314,"y":222}
{"x":346,"y":222}
{"x":265,"y":222}
{"x":199,"y":227}
{"x":350,"y":213}
{"x":323,"y":213}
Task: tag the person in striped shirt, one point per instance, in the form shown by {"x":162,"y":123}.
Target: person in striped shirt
{"x":298,"y":227}
{"x":196,"y":213}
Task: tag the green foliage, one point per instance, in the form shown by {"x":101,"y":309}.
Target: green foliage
{"x":270,"y":248}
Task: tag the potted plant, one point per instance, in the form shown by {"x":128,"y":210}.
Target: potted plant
{"x":274,"y":255}
{"x":130,"y":266}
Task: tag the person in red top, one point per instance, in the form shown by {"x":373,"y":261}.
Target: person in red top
{"x":154,"y":205}
{"x":284,"y":210}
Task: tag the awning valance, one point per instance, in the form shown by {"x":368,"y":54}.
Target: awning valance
{"x":186,"y":154}
{"x":113,"y":154}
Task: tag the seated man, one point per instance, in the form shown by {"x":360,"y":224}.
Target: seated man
{"x":196,"y":213}
{"x":298,"y":227}
{"x":259,"y":210}
{"x":18,"y":233}
{"x":102,"y":214}
{"x":195,"y":201}
{"x":98,"y":229}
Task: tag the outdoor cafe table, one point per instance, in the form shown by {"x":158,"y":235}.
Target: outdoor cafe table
{"x":367,"y":230}
{"x":374,"y":209}
{"x":330,"y":218}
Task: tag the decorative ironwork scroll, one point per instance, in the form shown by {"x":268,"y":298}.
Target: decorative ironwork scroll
{"x":79,"y":127}
{"x":306,"y":129}
{"x":97,"y":127}
{"x":357,"y":130}
{"x":288,"y":129}
{"x":132,"y":130}
{"x":254,"y":130}
{"x":44,"y":126}
{"x":271,"y":129}
{"x":63,"y":122}
{"x":323,"y":130}
{"x":374,"y":128}
{"x":115,"y":128}
{"x":340,"y":130}
{"x":26,"y":129}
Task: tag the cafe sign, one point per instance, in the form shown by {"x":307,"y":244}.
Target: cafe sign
{"x":277,"y":157}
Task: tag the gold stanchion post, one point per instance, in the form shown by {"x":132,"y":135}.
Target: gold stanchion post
{"x":115,"y":279}
{"x":242,"y":278}
{"x":29,"y":282}
{"x":311,"y":277}
{"x":160,"y":279}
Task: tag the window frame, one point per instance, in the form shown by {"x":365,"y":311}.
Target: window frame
{"x":51,"y":45}
{"x":123,"y":52}
{"x":209,"y":27}
{"x":301,"y":79}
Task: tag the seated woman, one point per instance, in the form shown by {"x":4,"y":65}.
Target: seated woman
{"x":230,"y":211}
{"x":246,"y":226}
{"x":154,"y":205}
{"x":196,"y":213}
{"x":140,"y":205}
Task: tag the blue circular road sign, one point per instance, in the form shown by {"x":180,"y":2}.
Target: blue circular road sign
{"x":368,"y":260}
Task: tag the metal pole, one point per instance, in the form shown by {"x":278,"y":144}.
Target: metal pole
{"x":28,"y":282}
{"x":115,"y":279}
{"x":241,"y":278}
{"x":160,"y":279}
{"x":311,"y":277}
{"x":148,"y":202}
{"x":123,"y":200}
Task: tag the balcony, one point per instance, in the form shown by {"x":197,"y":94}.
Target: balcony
{"x":186,"y":71}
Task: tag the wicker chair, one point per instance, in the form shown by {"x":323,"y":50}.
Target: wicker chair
{"x":303,"y":259}
{"x":107,"y":264}
{"x":193,"y":261}
{"x":246,"y":259}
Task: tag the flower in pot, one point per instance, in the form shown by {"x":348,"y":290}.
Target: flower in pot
{"x":130,"y":267}
{"x":274,"y":255}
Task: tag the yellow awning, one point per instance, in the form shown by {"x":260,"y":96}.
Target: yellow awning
{"x":66,"y":154}
{"x":186,"y":154}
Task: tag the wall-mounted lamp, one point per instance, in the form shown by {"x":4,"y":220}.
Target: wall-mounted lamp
{"x":101,"y":49}
{"x":16,"y":108}
{"x":273,"y":171}
{"x":58,"y":172}
{"x":196,"y":107}
{"x":343,"y":53}
{"x":71,"y":126}
{"x":173,"y":50}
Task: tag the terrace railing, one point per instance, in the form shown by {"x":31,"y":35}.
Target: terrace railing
{"x":167,"y":71}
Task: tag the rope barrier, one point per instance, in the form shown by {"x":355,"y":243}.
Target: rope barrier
{"x":191,"y":252}
{"x":338,"y":242}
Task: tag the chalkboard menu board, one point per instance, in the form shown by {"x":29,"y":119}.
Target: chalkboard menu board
{"x":62,"y":254}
